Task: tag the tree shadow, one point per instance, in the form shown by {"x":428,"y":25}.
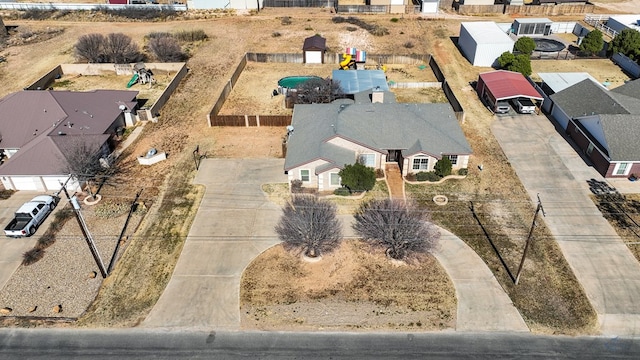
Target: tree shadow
{"x":493,"y":245}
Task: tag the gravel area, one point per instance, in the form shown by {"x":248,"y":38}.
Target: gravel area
{"x":67,"y":275}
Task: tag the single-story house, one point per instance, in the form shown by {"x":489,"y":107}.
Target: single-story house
{"x":552,"y":83}
{"x":482,"y":42}
{"x":503,"y":85}
{"x":39,"y":127}
{"x":604,"y":124}
{"x":624,"y":21}
{"x":326,"y":137}
{"x":313,"y":49}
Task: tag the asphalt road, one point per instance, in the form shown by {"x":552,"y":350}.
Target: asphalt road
{"x":165,"y":344}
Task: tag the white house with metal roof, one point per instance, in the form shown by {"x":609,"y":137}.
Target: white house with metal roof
{"x":326,"y":137}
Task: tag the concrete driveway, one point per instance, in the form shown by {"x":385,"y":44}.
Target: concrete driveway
{"x":234,"y":224}
{"x":11,"y":250}
{"x":548,"y":165}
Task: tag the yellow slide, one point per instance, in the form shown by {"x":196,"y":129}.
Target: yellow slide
{"x":344,"y":64}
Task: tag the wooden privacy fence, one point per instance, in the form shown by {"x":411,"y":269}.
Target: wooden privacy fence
{"x":250,"y":120}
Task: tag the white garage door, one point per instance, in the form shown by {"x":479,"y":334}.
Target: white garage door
{"x":314,"y":57}
{"x":24,"y":183}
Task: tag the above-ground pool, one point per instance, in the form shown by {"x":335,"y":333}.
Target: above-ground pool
{"x":548,"y":45}
{"x":291,"y":82}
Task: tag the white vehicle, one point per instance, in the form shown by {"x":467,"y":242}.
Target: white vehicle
{"x":30,"y":215}
{"x":525,"y":106}
{"x":502,"y":107}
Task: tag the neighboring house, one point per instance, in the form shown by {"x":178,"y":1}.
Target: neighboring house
{"x":38,"y":127}
{"x":624,"y":21}
{"x":313,"y":50}
{"x":605,"y":125}
{"x":552,"y":83}
{"x":373,"y":130}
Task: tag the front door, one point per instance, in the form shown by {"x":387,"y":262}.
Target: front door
{"x":393,"y":155}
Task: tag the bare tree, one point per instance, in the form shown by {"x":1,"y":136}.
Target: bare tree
{"x":317,"y":91}
{"x":120,"y":49}
{"x":90,"y":47}
{"x":88,"y":163}
{"x":310,"y":225}
{"x":166,"y":49}
{"x":402,"y":228}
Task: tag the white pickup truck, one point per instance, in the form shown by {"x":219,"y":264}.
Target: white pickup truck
{"x":30,"y":215}
{"x":525,"y":106}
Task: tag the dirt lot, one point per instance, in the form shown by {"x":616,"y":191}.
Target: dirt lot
{"x":601,"y":69}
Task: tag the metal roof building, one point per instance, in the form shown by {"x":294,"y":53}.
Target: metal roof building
{"x":503,"y":85}
{"x":355,"y":81}
{"x":482,"y":42}
{"x":531,"y":26}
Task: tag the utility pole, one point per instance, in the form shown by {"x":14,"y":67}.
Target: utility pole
{"x":526,"y":246}
{"x":85,"y":231}
{"x":112,"y":263}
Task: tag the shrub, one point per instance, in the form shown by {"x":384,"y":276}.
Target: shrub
{"x":442,"y":168}
{"x":296,"y":186}
{"x":378,"y":30}
{"x":351,"y":28}
{"x":120,"y":49}
{"x":338,"y":19}
{"x":191,"y":35}
{"x":394,"y":20}
{"x":525,"y":45}
{"x":90,"y":47}
{"x":403,"y":229}
{"x":275,"y":34}
{"x":286,"y":20}
{"x":408,"y":45}
{"x":32,"y":256}
{"x":358,"y":177}
{"x":309,"y":28}
{"x":427,"y":176}
{"x":379,"y":173}
{"x":36,"y":14}
{"x":157,"y":34}
{"x":164,"y":12}
{"x":343,"y":191}
{"x":310,"y":225}
{"x":410,"y":177}
{"x":166,"y":49}
{"x":463,"y":171}
{"x":46,"y":240}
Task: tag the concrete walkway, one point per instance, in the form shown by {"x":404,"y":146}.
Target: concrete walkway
{"x":234,"y":224}
{"x":548,"y":165}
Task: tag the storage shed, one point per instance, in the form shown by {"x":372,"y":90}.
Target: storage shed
{"x":483,"y":42}
{"x":313,"y":49}
{"x":531,"y":26}
{"x":502,"y":85}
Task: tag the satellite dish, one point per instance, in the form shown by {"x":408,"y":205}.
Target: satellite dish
{"x":289,"y":128}
{"x":122,"y":107}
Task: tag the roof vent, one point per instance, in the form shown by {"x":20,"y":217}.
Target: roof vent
{"x":61,"y":133}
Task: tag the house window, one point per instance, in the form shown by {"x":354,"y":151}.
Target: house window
{"x":367,"y":160}
{"x":453,"y":159}
{"x":335,"y":179}
{"x":589,"y":149}
{"x":421,"y":163}
{"x":304,"y":175}
{"x":621,"y":169}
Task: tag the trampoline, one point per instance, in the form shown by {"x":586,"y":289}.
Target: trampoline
{"x":548,"y":45}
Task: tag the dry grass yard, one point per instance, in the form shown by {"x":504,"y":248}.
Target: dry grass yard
{"x":549,"y":298}
{"x":352,"y":288}
{"x":601,"y":69}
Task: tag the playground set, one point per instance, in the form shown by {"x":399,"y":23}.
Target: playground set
{"x":141,"y":75}
{"x":353,"y":59}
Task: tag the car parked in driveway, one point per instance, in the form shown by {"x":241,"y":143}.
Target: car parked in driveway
{"x":30,"y":216}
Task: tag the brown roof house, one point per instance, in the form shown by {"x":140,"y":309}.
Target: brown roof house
{"x":313,"y":50}
{"x":37,"y":129}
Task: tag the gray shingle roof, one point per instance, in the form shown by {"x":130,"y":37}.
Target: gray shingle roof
{"x":586,"y":98}
{"x":621,"y":133}
{"x":413,"y":128}
{"x":631,"y":88}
